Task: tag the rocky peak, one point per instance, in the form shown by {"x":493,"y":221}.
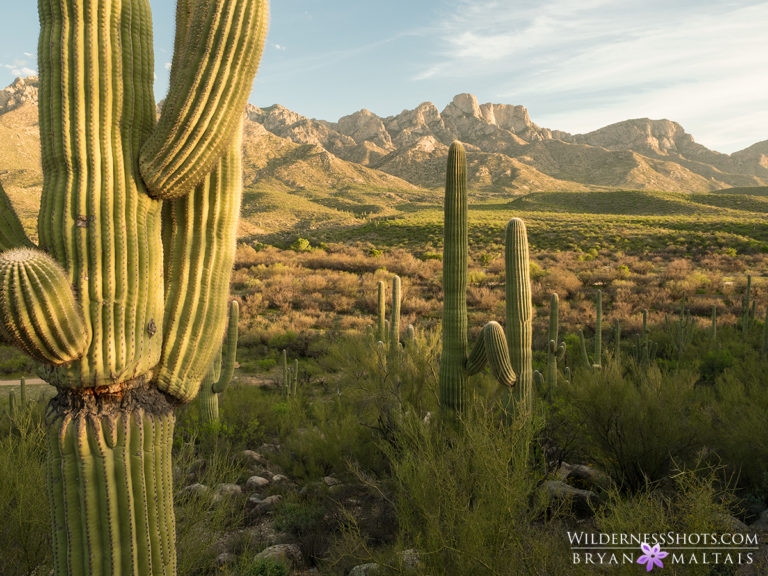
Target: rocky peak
{"x":463,"y":105}
{"x":512,"y":118}
{"x":365,"y":125}
{"x":274,"y":117}
{"x":22,"y":91}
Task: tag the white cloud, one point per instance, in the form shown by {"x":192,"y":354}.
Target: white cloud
{"x":279,"y":47}
{"x":167,"y":65}
{"x":24,"y":71}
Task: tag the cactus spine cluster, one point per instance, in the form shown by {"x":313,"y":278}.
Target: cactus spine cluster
{"x":124,"y":301}
{"x":456,"y":365}
{"x":220,"y":374}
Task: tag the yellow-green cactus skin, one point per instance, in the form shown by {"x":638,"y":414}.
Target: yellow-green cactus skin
{"x":124,"y":302}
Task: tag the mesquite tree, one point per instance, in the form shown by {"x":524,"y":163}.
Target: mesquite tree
{"x":124,"y":302}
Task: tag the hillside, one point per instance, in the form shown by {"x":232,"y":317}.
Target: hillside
{"x":340,"y":174}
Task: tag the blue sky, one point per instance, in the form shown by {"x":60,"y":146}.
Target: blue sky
{"x":576,"y":65}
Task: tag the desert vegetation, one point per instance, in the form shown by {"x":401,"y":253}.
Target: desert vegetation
{"x":646,"y":415}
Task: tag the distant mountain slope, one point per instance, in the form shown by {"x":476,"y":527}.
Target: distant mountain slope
{"x":305,"y":173}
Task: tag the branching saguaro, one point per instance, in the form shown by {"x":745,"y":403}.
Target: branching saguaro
{"x":509,"y":356}
{"x":124,"y":302}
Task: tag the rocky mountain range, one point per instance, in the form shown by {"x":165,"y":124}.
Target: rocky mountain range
{"x":507,"y":152}
{"x":401,"y":158}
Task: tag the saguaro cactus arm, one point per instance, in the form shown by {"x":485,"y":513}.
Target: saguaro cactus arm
{"x":38,"y":310}
{"x":215,"y":59}
{"x":491,"y":348}
{"x":12,"y":233}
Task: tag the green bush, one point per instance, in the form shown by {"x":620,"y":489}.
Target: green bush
{"x":25,"y":527}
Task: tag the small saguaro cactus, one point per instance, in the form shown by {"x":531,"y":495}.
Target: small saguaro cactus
{"x":456,"y":365}
{"x":555,"y":351}
{"x":714,"y":324}
{"x":617,"y":341}
{"x":394,"y":328}
{"x":646,"y":350}
{"x":596,"y":362}
{"x":12,"y":403}
{"x":23,"y":392}
{"x":223,"y":368}
{"x":382,"y":313}
{"x":124,"y":302}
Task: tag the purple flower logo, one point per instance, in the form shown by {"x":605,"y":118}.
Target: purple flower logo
{"x":651,"y":557}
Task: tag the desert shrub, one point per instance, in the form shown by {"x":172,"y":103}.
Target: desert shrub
{"x":634,"y":422}
{"x":467,"y":495}
{"x":25,"y":528}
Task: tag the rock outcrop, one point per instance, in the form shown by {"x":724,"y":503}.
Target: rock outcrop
{"x":22,"y":91}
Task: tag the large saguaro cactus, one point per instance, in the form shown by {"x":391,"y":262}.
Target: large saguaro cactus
{"x":456,"y":366}
{"x":124,"y":301}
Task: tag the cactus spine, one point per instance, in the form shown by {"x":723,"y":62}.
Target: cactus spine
{"x":223,"y":368}
{"x":137,"y":226}
{"x":455,"y":364}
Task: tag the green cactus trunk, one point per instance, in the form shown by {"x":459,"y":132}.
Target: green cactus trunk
{"x":519,"y":309}
{"x":106,"y":457}
{"x":125,"y":301}
{"x":454,"y":390}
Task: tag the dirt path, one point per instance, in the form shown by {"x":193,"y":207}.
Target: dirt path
{"x":16,"y":382}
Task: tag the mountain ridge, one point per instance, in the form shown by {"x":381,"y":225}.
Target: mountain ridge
{"x":366,"y":164}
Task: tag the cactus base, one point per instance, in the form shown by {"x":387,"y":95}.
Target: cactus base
{"x":110,"y":482}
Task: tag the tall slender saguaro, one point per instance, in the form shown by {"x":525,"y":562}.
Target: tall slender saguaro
{"x":124,"y":301}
